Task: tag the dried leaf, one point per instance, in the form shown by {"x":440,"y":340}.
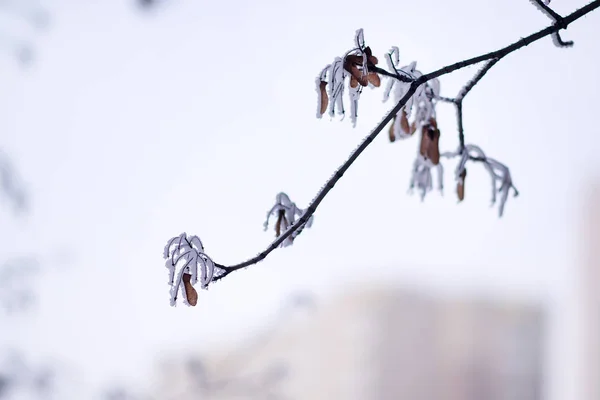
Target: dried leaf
{"x":351,"y":64}
{"x":374,"y":79}
{"x":324,"y":97}
{"x":430,"y":142}
{"x":190,"y":292}
{"x":281,"y":220}
{"x":372,"y":59}
{"x":433,"y":152}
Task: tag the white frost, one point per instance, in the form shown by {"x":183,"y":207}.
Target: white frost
{"x":183,"y":255}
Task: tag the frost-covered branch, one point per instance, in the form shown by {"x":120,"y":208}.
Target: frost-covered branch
{"x":542,"y":5}
{"x":416,"y":96}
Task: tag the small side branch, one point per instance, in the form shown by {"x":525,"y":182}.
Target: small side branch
{"x":459,"y":119}
{"x":465,"y":90}
{"x":558,"y":20}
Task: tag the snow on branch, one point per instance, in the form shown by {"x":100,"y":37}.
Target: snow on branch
{"x":358,"y":65}
{"x":286,"y":212}
{"x":499,"y":174}
{"x":416,"y":95}
{"x":183,"y":256}
{"x":542,"y":5}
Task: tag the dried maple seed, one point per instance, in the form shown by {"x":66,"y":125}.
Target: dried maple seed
{"x":324,"y":97}
{"x":391,"y":130}
{"x":374,"y":79}
{"x":430,"y":141}
{"x":190,"y":292}
{"x":460,"y":186}
{"x":281,"y":220}
{"x":433,"y":152}
{"x":372,"y":59}
{"x":352,"y":64}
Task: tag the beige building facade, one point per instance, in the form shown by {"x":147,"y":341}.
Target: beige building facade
{"x":381,"y":343}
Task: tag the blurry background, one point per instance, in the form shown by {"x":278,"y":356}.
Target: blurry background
{"x":125,"y":123}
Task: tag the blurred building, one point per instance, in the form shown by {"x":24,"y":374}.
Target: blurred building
{"x":381,"y":343}
{"x":590,"y":300}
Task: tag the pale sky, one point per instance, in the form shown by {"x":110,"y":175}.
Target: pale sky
{"x":130,"y":129}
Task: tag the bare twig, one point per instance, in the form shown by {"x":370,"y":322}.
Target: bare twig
{"x":494,"y":56}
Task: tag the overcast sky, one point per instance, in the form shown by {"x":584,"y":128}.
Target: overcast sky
{"x":131,"y":128}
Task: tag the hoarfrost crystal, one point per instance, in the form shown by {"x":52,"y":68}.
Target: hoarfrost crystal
{"x":286,"y":212}
{"x":183,"y":255}
{"x":499,"y":172}
{"x":357,"y":65}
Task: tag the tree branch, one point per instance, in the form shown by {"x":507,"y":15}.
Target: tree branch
{"x":557,"y":19}
{"x":494,"y":56}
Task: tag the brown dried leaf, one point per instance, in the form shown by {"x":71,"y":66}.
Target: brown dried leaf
{"x":374,"y":79}
{"x":352,"y":60}
{"x":372,"y":59}
{"x":391,"y":131}
{"x":280,"y":220}
{"x":433,"y":152}
{"x":190,"y":292}
{"x":351,"y":64}
{"x":430,"y":142}
{"x":324,"y":97}
{"x":353,"y":82}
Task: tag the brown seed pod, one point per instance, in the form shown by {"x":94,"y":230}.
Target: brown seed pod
{"x":324,"y":97}
{"x":352,"y":64}
{"x":391,"y":130}
{"x":430,"y":141}
{"x":433,"y":122}
{"x":353,"y":59}
{"x":190,"y":292}
{"x":433,"y":152}
{"x":372,"y":59}
{"x":374,"y":79}
{"x":353,"y":82}
{"x":460,"y":185}
{"x":413,"y":127}
{"x":280,"y":220}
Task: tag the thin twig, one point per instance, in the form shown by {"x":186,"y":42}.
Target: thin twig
{"x":465,"y":90}
{"x":515,"y":46}
{"x":368,"y":139}
{"x":557,"y":19}
{"x":459,"y":119}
